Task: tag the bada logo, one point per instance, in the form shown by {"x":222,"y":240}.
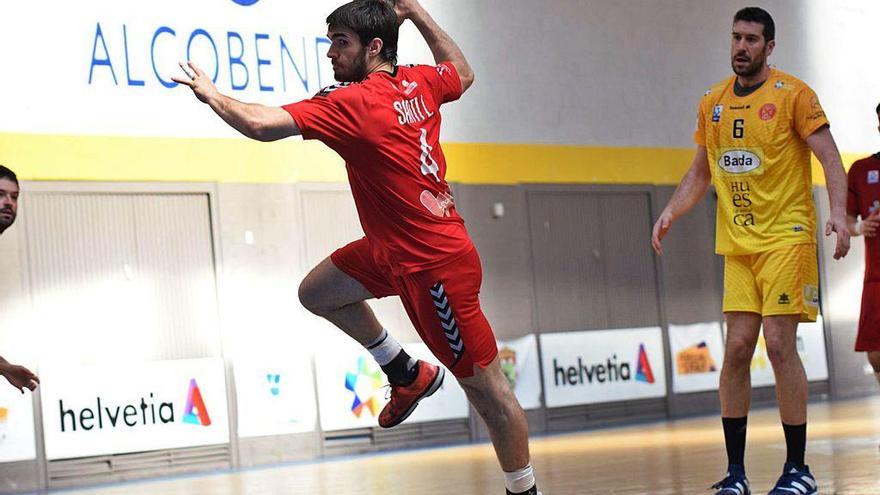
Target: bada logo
{"x":245,"y":3}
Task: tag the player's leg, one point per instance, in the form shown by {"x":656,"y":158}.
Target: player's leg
{"x":874,"y":361}
{"x":444,"y":306}
{"x":742,"y":306}
{"x":489,"y":392}
{"x":789,"y":280}
{"x":337,"y":290}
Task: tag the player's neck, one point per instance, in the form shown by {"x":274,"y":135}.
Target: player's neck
{"x":755,"y":79}
{"x":380,"y":66}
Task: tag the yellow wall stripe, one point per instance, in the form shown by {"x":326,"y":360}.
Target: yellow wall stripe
{"x":135,"y":159}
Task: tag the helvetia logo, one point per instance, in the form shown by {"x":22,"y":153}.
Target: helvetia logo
{"x":195,"y":412}
{"x":147,"y":412}
{"x":610,"y":371}
{"x":363,"y":384}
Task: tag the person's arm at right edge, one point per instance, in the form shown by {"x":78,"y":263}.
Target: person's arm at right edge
{"x":19,"y":376}
{"x":690,"y":191}
{"x":442,"y":46}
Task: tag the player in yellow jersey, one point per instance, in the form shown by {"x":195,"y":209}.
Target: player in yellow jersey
{"x":755,"y":132}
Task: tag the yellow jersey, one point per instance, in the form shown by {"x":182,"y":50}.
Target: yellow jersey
{"x":760,"y":162}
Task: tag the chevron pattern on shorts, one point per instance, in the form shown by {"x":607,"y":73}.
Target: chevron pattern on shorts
{"x":447,"y":320}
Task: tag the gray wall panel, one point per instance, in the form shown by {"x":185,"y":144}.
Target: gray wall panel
{"x":567,"y":261}
{"x":503,"y":243}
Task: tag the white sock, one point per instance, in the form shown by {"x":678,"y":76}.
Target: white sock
{"x":520,"y":480}
{"x":384,"y":348}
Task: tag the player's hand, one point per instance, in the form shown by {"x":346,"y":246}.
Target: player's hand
{"x":661,"y":227}
{"x":21,"y":377}
{"x":871,"y":224}
{"x":201,"y":85}
{"x":404,"y":8}
{"x":838,"y":225}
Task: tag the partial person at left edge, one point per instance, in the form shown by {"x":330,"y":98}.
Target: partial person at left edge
{"x":19,"y":376}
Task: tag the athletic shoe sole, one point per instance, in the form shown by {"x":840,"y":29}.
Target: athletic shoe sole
{"x":438,"y":381}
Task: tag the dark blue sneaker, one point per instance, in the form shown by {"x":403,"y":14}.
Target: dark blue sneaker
{"x":734,"y":483}
{"x":795,"y":481}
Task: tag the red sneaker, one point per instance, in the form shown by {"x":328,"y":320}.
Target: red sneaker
{"x":405,"y":399}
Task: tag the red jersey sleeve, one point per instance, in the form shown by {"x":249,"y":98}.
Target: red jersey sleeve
{"x":852,"y":199}
{"x":330,"y":116}
{"x":443,"y":81}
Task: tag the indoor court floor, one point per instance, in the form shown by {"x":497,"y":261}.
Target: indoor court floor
{"x":674,"y":457}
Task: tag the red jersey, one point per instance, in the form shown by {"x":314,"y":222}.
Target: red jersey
{"x":387,"y":129}
{"x":863,"y":199}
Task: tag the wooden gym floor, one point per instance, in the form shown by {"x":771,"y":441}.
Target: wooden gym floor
{"x":675,"y":457}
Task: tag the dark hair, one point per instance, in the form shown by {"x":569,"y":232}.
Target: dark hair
{"x":370,"y":19}
{"x":5,"y":173}
{"x":760,"y":16}
{"x":878,"y":108}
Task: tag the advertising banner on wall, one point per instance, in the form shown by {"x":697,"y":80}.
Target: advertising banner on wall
{"x":113,"y":408}
{"x":110,"y":63}
{"x":810,"y":347}
{"x":697,"y":353}
{"x":603,"y":366}
{"x":352,"y":389}
{"x":519,"y":363}
{"x":16,"y":424}
{"x":275,"y":398}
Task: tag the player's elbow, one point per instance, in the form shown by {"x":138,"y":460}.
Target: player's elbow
{"x":262,"y":131}
{"x":467,"y":78}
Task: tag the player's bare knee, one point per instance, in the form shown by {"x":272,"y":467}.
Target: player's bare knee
{"x":874,"y":360}
{"x":739,"y":352}
{"x":310,"y":296}
{"x":779,"y":350}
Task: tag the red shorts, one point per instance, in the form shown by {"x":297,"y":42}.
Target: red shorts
{"x":868,"y":338}
{"x":443,"y":303}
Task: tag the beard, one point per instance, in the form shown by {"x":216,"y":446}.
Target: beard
{"x":7,"y":218}
{"x":754,"y":66}
{"x":357,"y":72}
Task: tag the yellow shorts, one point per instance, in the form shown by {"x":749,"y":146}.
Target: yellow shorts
{"x":782,"y":281}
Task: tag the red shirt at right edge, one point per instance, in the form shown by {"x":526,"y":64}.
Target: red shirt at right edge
{"x":862,"y":200}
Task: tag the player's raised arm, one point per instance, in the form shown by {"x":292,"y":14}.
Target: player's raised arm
{"x":690,"y":191}
{"x":823,"y":146}
{"x":253,"y":120}
{"x":442,"y":46}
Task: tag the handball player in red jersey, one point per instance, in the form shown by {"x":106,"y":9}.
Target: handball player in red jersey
{"x":384,"y":121}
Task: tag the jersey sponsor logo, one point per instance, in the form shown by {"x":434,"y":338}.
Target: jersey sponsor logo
{"x":438,"y":205}
{"x":716,"y":113}
{"x":767,"y":112}
{"x":873,"y":176}
{"x":409,"y":87}
{"x":739,"y":161}
{"x":744,"y":220}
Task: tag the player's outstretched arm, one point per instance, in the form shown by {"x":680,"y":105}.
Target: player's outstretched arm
{"x":823,"y":146}
{"x":442,"y":46}
{"x":254,"y":121}
{"x":690,"y":191}
{"x":19,"y":376}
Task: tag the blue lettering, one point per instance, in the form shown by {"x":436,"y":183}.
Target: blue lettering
{"x":161,"y":30}
{"x":303,"y":78}
{"x":320,"y":40}
{"x":261,"y":61}
{"x":131,"y":82}
{"x":237,"y":60}
{"x":101,"y":61}
{"x":202,"y":32}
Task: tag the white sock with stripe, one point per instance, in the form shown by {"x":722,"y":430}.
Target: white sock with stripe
{"x":520,"y":480}
{"x":384,"y":348}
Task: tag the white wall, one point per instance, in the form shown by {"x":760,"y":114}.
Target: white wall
{"x":597,"y":72}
